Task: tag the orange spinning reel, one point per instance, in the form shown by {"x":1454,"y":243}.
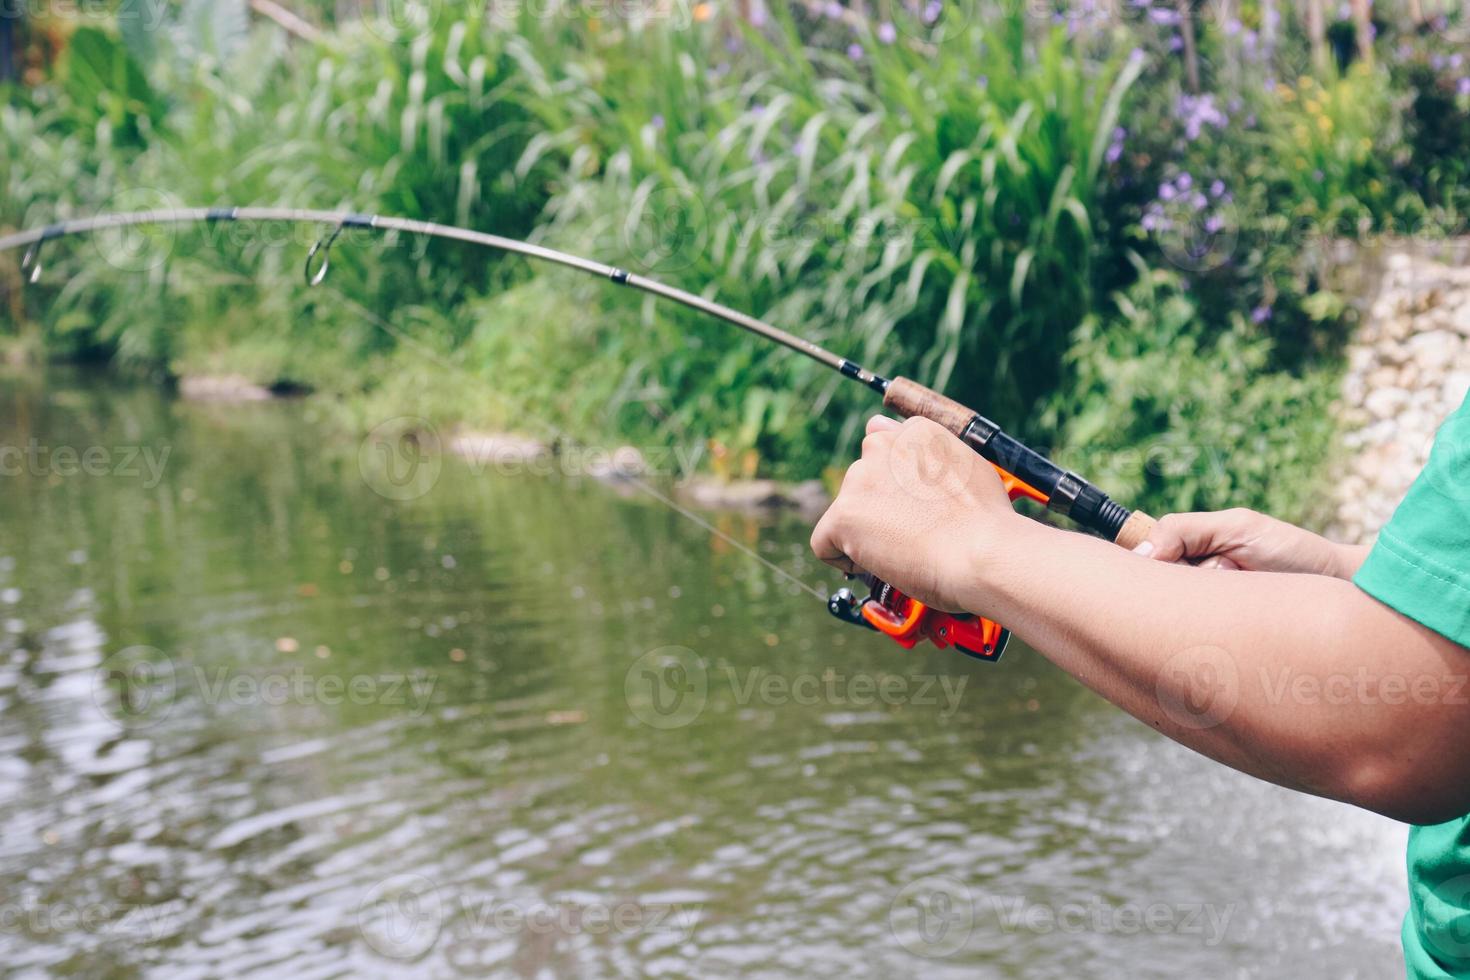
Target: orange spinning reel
{"x":907,"y":620}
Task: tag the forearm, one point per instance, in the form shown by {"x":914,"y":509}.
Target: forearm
{"x":1313,"y":682}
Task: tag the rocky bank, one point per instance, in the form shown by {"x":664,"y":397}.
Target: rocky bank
{"x":1408,"y":368}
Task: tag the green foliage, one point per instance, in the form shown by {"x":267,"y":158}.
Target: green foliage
{"x":1172,"y":422}
{"x":1437,"y":124}
{"x":384,"y":118}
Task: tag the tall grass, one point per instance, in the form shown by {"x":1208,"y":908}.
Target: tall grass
{"x":924,"y":209}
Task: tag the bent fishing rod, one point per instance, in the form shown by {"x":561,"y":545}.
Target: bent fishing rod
{"x":1024,"y":472}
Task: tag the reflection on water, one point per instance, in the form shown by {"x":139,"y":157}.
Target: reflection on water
{"x":257,"y":717}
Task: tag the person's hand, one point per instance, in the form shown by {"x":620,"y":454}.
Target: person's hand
{"x":913,"y":510}
{"x":1247,"y":540}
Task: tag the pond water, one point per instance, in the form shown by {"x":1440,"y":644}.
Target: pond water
{"x":272,"y":704}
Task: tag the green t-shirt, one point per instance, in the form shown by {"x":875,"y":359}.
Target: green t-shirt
{"x":1421,"y":567}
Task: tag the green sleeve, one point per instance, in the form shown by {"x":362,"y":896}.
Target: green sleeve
{"x":1420,"y":565}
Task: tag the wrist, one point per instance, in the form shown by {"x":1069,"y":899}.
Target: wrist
{"x":984,"y":552}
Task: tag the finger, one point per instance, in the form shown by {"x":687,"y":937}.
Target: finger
{"x":1219,"y":561}
{"x":825,"y":547}
{"x":876,"y":440}
{"x":1177,"y":537}
{"x":882,"y":423}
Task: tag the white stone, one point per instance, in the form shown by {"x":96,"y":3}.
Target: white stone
{"x":1385,"y":403}
{"x":1456,"y":386}
{"x":1436,"y":349}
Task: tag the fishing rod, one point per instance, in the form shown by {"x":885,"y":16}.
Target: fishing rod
{"x":1023,"y":471}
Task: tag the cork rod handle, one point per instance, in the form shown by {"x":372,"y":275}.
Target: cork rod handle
{"x":1134,"y":530}
{"x":911,"y":399}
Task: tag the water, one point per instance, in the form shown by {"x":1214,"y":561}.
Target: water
{"x":257,"y":717}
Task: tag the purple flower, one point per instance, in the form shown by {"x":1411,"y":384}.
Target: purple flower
{"x":832,"y":9}
{"x":983,"y":82}
{"x":1198,"y":202}
{"x":1260,"y":314}
{"x":1214,"y":223}
{"x":1176,"y":43}
{"x":1318,"y":176}
{"x":1136,"y":55}
{"x":1217,"y":188}
{"x":1463,"y":86}
{"x":1166,"y":192}
{"x":932,"y":10}
{"x":1184,"y":182}
{"x":1197,"y":112}
{"x":855,"y":51}
{"x":887,"y":33}
{"x":1163,"y":16}
{"x":657,"y":122}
